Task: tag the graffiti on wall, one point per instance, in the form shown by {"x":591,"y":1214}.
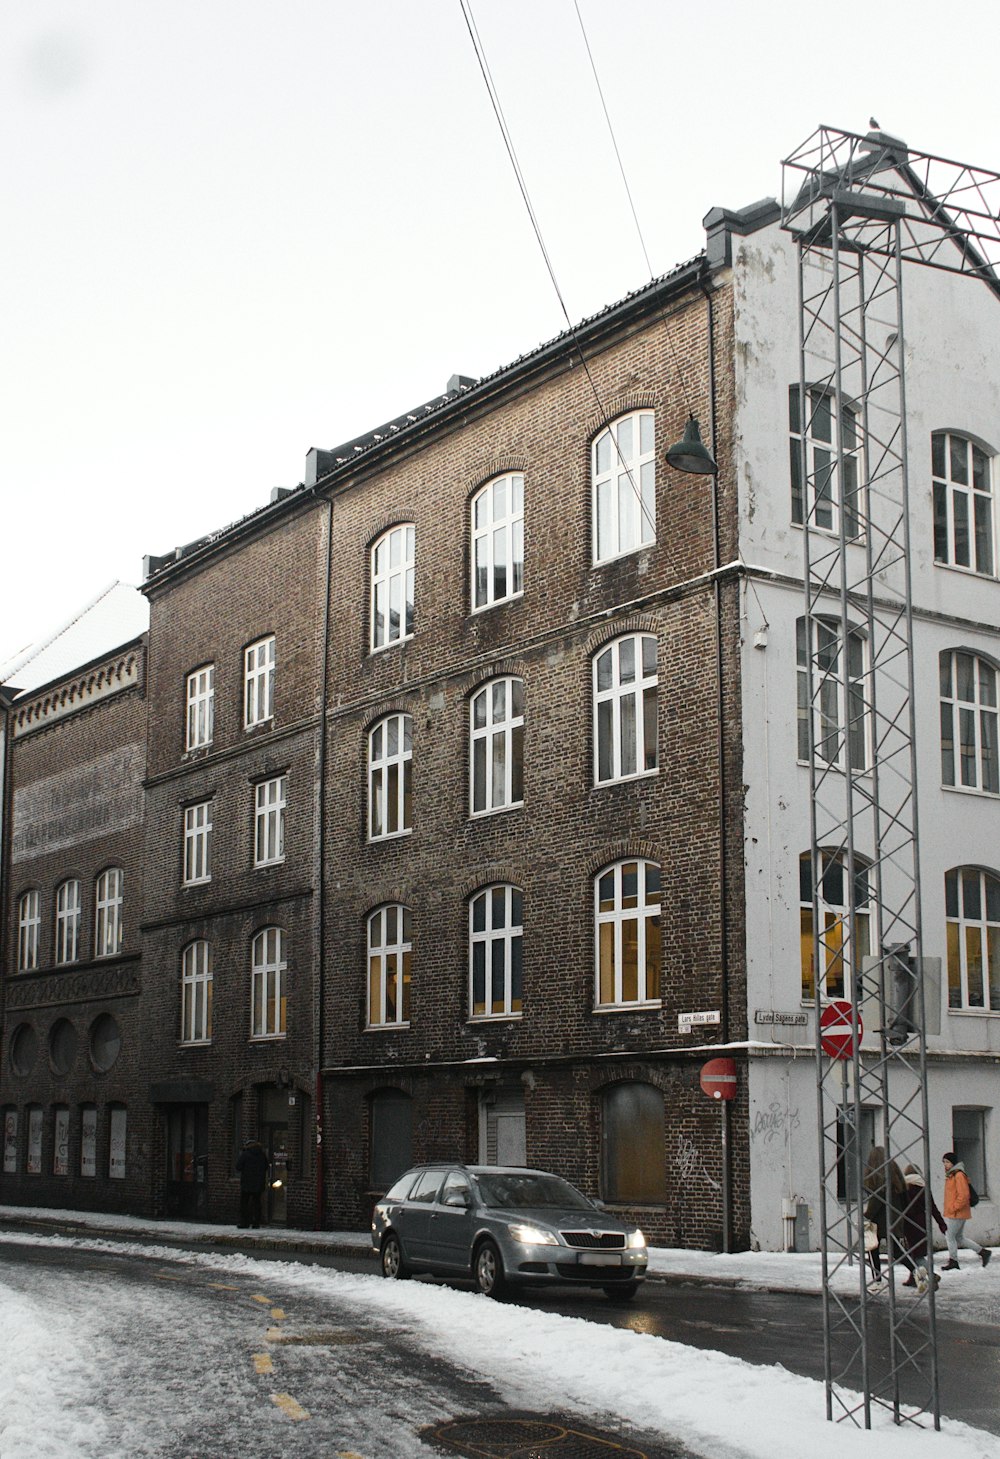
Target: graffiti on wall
{"x":776,"y":1122}
{"x":690,"y":1166}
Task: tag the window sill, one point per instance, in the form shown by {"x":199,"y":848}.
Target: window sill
{"x":386,"y":1027}
{"x":259,"y":724}
{"x":636,"y":551}
{"x":263,"y":865}
{"x":966,"y":572}
{"x":975,"y":1012}
{"x":481,"y":1018}
{"x":194,"y":1043}
{"x":500,"y":810}
{"x":200,"y":881}
{"x":381,"y":648}
{"x":970,"y":790}
{"x":647,"y":1005}
{"x":266,"y":1038}
{"x":390,"y":836}
{"x":479,"y":608}
{"x":627,"y":779}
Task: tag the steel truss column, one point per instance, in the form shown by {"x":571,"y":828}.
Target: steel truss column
{"x":856,"y":705}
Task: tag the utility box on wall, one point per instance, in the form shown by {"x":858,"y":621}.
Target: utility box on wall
{"x":795,"y":1214}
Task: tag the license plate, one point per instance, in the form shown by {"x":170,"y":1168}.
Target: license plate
{"x":599,"y":1258}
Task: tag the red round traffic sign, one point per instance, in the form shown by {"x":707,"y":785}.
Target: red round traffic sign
{"x":718,"y":1078}
{"x":837,"y":1029}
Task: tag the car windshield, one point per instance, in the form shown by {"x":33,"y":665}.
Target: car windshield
{"x":514,"y":1191}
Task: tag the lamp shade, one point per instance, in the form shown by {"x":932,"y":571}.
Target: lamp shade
{"x":690,"y":454}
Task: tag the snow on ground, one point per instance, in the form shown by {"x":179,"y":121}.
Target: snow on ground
{"x":715,"y":1404}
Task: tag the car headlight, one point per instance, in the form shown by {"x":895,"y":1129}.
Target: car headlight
{"x":636,"y":1238}
{"x":531,"y":1235}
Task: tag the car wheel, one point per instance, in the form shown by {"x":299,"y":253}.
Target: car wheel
{"x":488,"y":1269}
{"x":623,"y":1292}
{"x":393,"y":1265}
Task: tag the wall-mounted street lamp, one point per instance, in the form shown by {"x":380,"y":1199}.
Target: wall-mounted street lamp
{"x":690,"y":454}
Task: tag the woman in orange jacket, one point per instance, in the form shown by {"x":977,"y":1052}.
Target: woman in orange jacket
{"x":958,"y":1210}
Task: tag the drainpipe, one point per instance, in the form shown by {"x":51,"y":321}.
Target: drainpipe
{"x":319,"y":861}
{"x":720,"y":750}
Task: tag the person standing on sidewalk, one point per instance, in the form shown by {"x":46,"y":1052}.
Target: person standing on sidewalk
{"x":251,"y":1164}
{"x":958,"y":1210}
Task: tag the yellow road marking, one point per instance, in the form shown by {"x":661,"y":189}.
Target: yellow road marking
{"x":289,"y":1406}
{"x":273,"y":1334}
{"x":224,"y":1286}
{"x":277,"y":1314}
{"x":262,"y":1363}
{"x":256,"y":1297}
{"x":347,"y":1454}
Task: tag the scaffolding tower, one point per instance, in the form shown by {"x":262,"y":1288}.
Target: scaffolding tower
{"x":862,"y":209}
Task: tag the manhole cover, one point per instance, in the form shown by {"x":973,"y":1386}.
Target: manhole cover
{"x":527,"y":1438}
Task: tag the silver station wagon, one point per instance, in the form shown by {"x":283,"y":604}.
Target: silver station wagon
{"x":504,"y":1226}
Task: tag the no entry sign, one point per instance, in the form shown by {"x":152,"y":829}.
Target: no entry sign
{"x":718,"y":1078}
{"x":837,"y":1029}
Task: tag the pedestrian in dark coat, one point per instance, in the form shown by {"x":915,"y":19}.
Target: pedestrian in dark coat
{"x":886,"y":1199}
{"x":252,"y":1167}
{"x":914,"y":1230}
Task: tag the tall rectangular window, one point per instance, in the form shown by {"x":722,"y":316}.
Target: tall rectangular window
{"x":969,"y":716}
{"x":840,"y":711}
{"x":268,"y":993}
{"x":68,"y":922}
{"x":968,"y":1138}
{"x":116,"y":1142}
{"x":629,"y":942}
{"x":390,"y":765}
{"x":60,"y":1141}
{"x":625,"y":708}
{"x":392,"y":582}
{"x":817,"y":497}
{"x":108,"y":922}
{"x":623,"y":486}
{"x":497,"y":747}
{"x":198,"y":842}
{"x":498,"y":541}
{"x":964,"y":524}
{"x":196,"y":993}
{"x":29,"y":922}
{"x":88,"y":1140}
{"x":495,"y":961}
{"x":269,"y":835}
{"x":258,"y":697}
{"x":200,"y":707}
{"x":389,"y":952}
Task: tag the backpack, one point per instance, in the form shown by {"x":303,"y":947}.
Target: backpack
{"x":973,"y":1195}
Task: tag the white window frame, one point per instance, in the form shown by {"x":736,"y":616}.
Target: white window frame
{"x":29,"y":929}
{"x":392,"y":586}
{"x":838,"y":697}
{"x":270,"y":802}
{"x":817,"y":500}
{"x":972,"y":938}
{"x":390,"y":777}
{"x":109,"y":926}
{"x":196,"y":993}
{"x":198,"y":843}
{"x":390,"y":951}
{"x":268,"y":985}
{"x":200,"y":707}
{"x":623,"y":486}
{"x":623,"y":708}
{"x":68,"y":909}
{"x":832,"y":920}
{"x":960,"y":506}
{"x":618,"y":918}
{"x":497,"y":557}
{"x":496,"y":944}
{"x":258,"y":682}
{"x":496,"y":747}
{"x":971,"y":722}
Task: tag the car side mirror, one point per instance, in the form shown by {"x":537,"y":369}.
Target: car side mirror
{"x":457,"y":1198}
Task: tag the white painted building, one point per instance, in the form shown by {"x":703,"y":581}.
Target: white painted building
{"x":952,"y":369}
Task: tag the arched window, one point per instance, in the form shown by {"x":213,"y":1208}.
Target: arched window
{"x":964,"y":524}
{"x":816,"y":494}
{"x":629,"y":952}
{"x":497,"y":746}
{"x":268,"y":995}
{"x":495,"y":960}
{"x":840,"y":714}
{"x":389,"y":952}
{"x":969,"y":755}
{"x":623,"y":479}
{"x":196,"y":993}
{"x":390,"y":763}
{"x":972,"y":911}
{"x":108,"y":924}
{"x":29,"y":923}
{"x":833,"y":917}
{"x":392,"y":586}
{"x":633,"y":1156}
{"x":68,"y":921}
{"x":625,"y":708}
{"x":498,"y":541}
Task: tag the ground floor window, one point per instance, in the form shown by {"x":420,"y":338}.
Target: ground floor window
{"x":88,"y":1140}
{"x":10,"y":1141}
{"x":632,"y":1145}
{"x":116,"y":1143}
{"x":849,"y":1140}
{"x":968,"y":1136}
{"x":60,"y":1141}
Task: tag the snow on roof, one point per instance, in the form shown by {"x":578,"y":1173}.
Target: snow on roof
{"x":117,"y":615}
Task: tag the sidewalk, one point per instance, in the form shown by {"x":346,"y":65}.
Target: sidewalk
{"x":970,"y":1295}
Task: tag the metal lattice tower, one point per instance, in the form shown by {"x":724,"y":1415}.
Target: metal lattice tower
{"x":862,"y":209}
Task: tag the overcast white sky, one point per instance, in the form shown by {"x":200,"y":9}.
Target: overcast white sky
{"x":233,"y":231}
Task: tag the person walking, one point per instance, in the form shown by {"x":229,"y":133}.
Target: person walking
{"x":252,"y":1168}
{"x":958,"y":1210}
{"x":887,"y":1196}
{"x":914,"y":1231}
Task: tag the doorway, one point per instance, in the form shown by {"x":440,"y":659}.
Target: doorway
{"x":502,"y":1139}
{"x":274,"y":1136}
{"x":187,"y":1161}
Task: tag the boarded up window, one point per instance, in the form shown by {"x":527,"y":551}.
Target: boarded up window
{"x":632,"y":1141}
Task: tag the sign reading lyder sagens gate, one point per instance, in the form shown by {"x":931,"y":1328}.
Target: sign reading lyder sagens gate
{"x":718,"y":1078}
{"x":837,"y":1029}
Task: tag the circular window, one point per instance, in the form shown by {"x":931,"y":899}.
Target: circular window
{"x":105,"y":1041}
{"x":23,"y":1049}
{"x":62,"y":1046}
